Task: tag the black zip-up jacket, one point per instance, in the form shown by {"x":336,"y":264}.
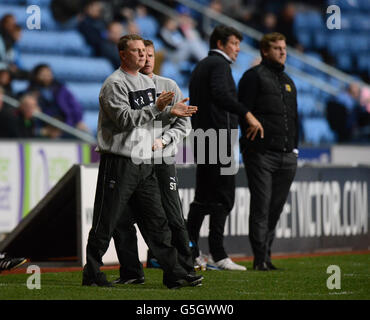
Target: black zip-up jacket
{"x":270,"y":94}
{"x":213,"y":90}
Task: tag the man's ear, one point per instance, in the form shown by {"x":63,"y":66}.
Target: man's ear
{"x":121,"y":54}
{"x":220,"y":46}
{"x":263,"y":53}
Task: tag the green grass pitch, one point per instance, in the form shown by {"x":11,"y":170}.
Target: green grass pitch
{"x":299,"y":279}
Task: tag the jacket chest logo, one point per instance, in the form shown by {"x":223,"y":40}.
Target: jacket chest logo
{"x":288,"y":87}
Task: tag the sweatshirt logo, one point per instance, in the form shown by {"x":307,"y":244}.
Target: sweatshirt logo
{"x":150,"y":96}
{"x":141,"y":98}
{"x":288,"y":87}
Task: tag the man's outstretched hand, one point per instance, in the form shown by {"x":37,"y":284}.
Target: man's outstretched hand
{"x":180,"y":109}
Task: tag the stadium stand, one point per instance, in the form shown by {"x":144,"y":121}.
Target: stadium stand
{"x":72,"y":60}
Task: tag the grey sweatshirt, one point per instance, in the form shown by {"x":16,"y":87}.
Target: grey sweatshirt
{"x":126,"y":116}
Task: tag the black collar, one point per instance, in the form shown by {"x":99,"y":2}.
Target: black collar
{"x":273,"y":65}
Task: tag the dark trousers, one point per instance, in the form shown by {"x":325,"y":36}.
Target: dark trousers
{"x":125,"y":235}
{"x":214,"y":195}
{"x":121,"y":181}
{"x":270,"y":175}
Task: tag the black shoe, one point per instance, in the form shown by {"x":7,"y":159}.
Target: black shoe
{"x":193,"y":280}
{"x":262,"y":266}
{"x":7,"y":263}
{"x":140,"y":280}
{"x":271,"y":266}
{"x":188,"y":280}
{"x":99,"y":281}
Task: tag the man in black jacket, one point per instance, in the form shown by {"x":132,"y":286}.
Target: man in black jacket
{"x":212,"y":89}
{"x":270,"y":162}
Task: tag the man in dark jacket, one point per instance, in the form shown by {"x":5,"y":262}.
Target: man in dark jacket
{"x":212,"y":89}
{"x":270,"y":162}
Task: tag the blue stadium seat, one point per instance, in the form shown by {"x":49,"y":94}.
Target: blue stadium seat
{"x":317,"y":130}
{"x":319,"y":40}
{"x":301,"y":85}
{"x":359,"y":42}
{"x":364,"y":5}
{"x":54,"y":42}
{"x":338,"y":42}
{"x":71,"y":68}
{"x":363,"y":62}
{"x":86,"y":93}
{"x":185,"y":91}
{"x":304,"y":37}
{"x":21,"y":16}
{"x":308,"y":20}
{"x":41,"y":3}
{"x":346,"y":21}
{"x":237,"y":74}
{"x":170,"y":70}
{"x":19,"y":85}
{"x":307,"y":105}
{"x":344,"y":61}
{"x":345,"y":5}
{"x":158,"y":44}
{"x":244,"y":61}
{"x":91,"y":120}
{"x":148,"y":26}
{"x":19,"y":2}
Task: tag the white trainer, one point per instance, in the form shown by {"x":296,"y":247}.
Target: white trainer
{"x":228,"y":264}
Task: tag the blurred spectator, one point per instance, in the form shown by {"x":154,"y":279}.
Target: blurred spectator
{"x":109,"y":47}
{"x":64,"y":10}
{"x":364,"y":116}
{"x":8,"y":120}
{"x":180,"y":49}
{"x":207,"y":23}
{"x":285,"y":25}
{"x":238,"y":10}
{"x":187,"y":26}
{"x":132,"y":27}
{"x":10,"y":34}
{"x":29,"y":127}
{"x":92,"y":25}
{"x":6,"y":82}
{"x":268,"y":23}
{"x":147,"y":24}
{"x":342,"y":113}
{"x":55,"y":99}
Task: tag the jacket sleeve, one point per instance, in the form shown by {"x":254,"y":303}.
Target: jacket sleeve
{"x":221,"y":82}
{"x":115,"y":103}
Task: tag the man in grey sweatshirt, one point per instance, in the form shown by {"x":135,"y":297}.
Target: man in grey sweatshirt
{"x":128,"y":105}
{"x":173,"y":130}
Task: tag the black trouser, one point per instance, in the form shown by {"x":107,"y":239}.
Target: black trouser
{"x":270,"y":175}
{"x":120,"y":180}
{"x":125,"y":235}
{"x":214,"y":195}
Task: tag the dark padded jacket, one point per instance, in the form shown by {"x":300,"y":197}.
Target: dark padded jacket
{"x":270,"y":94}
